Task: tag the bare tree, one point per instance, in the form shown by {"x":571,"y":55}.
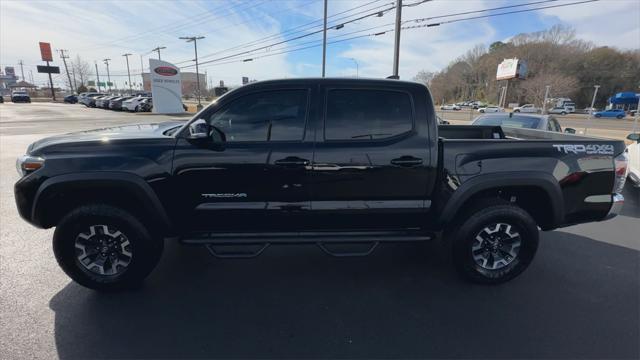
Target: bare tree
{"x":533,"y":89}
{"x":424,"y":77}
{"x":81,"y":69}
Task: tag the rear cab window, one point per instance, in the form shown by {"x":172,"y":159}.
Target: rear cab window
{"x":367,"y":114}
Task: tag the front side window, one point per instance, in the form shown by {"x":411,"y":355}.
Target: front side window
{"x":278,"y":115}
{"x":367,"y":114}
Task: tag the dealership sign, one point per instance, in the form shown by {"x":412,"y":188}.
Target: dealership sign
{"x":511,"y":69}
{"x":166,"y":87}
{"x":45,"y":51}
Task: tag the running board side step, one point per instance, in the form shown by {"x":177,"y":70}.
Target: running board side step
{"x":254,"y":244}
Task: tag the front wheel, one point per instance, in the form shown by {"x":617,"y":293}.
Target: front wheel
{"x":619,"y":117}
{"x":598,"y":115}
{"x":516,"y":110}
{"x":105,"y":248}
{"x":494,"y":243}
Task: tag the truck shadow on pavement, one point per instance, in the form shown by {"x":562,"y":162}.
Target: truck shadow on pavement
{"x":579,"y":299}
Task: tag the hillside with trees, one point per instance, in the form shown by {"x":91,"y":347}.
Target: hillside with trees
{"x":555,"y":57}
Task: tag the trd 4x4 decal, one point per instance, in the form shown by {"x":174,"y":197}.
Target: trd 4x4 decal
{"x":585,"y":149}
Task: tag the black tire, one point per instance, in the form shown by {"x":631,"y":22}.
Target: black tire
{"x":145,"y":250}
{"x":619,"y":117}
{"x":563,"y":113}
{"x":516,"y":110}
{"x":598,"y":115}
{"x":496,"y":216}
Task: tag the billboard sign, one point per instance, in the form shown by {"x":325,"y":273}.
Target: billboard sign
{"x":45,"y":51}
{"x":48,"y":69}
{"x":166,"y":87}
{"x":91,"y":83}
{"x":511,"y":69}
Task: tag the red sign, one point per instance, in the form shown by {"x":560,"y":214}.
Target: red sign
{"x":165,"y":71}
{"x":45,"y":51}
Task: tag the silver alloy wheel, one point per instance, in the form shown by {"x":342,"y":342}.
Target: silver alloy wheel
{"x":103,"y":250}
{"x":496,"y":246}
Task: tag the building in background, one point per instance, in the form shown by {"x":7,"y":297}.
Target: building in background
{"x":189,"y":83}
{"x":7,"y":79}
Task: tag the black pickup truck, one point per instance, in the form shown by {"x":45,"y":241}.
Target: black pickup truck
{"x":341,"y":163}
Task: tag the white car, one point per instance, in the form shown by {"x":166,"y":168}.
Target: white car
{"x":526,"y":108}
{"x":133,"y":104}
{"x":490,"y":109}
{"x":634,"y":159}
{"x":450,"y":107}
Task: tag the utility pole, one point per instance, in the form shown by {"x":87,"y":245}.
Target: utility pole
{"x":97,"y":75}
{"x":396,"y":45}
{"x":128,"y":72}
{"x":75,"y":84}
{"x":158,"y":50}
{"x":64,"y":60}
{"x":324,"y":40}
{"x":22,"y":70}
{"x":357,"y":67}
{"x":546,"y":96}
{"x":504,"y":98}
{"x":106,"y":61}
{"x":31,"y":76}
{"x":195,"y":39}
{"x":593,"y":101}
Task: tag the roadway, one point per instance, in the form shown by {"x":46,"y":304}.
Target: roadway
{"x":579,"y":299}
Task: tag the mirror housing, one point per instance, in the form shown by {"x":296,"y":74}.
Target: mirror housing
{"x":634,"y":137}
{"x":198,"y":129}
{"x":570,"y":130}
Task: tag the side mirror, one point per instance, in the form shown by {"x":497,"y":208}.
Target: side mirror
{"x":570,"y":130}
{"x":634,"y":137}
{"x":198,"y":129}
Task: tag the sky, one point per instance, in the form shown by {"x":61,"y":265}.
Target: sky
{"x":96,"y":30}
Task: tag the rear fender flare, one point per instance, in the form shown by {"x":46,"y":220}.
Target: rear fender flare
{"x":543,"y":181}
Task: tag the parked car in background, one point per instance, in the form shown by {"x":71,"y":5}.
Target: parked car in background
{"x":20,"y":96}
{"x":90,"y":99}
{"x":145,"y":105}
{"x":1,"y":99}
{"x":70,"y":99}
{"x":611,"y":113}
{"x":450,"y":107}
{"x":133,"y":104}
{"x":634,"y":159}
{"x":103,"y":102}
{"x":116,"y":104}
{"x":632,"y":112}
{"x":490,"y":109}
{"x":526,"y":108}
{"x":559,"y":111}
{"x":536,"y":122}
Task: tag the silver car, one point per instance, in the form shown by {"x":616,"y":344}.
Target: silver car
{"x":538,"y":122}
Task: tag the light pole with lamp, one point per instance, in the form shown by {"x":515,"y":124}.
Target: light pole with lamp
{"x":195,"y":39}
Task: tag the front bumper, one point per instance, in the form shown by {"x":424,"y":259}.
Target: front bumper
{"x":616,"y":206}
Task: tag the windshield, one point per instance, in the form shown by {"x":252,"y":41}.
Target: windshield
{"x":527,"y":122}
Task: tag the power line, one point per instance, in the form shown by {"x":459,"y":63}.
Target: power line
{"x":403,"y":28}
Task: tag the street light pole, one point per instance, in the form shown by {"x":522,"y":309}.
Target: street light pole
{"x":546,"y":96}
{"x":128,"y":72}
{"x":195,"y":39}
{"x":593,"y":101}
{"x":396,"y":45}
{"x":357,"y":67}
{"x":324,"y":40}
{"x":97,"y":75}
{"x":158,"y":50}
{"x":106,"y":61}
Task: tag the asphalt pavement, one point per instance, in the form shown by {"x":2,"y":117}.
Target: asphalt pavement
{"x":579,"y":299}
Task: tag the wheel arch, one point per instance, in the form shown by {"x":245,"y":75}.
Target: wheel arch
{"x":58,"y":195}
{"x":538,"y":193}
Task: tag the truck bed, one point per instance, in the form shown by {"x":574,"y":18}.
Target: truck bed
{"x":581,"y":166}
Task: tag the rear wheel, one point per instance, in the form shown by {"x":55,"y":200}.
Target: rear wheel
{"x":619,"y":117}
{"x":494,"y":243}
{"x":105,"y":248}
{"x":598,"y":115}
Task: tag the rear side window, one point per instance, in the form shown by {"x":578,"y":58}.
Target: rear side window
{"x":367,"y":114}
{"x":278,"y":115}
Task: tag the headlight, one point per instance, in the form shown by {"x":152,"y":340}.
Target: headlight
{"x":27,"y":164}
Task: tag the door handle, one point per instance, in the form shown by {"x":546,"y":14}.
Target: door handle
{"x":406,"y":161}
{"x":292,"y":161}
